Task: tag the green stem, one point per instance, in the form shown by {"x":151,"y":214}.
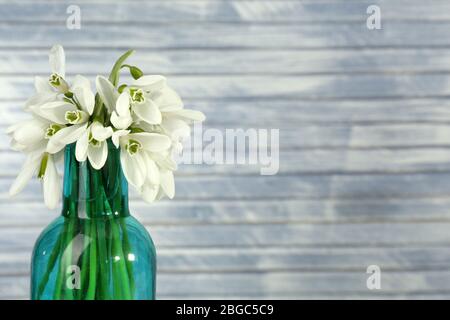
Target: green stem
{"x":51,"y":264}
{"x":114,"y":75}
{"x":85,"y":260}
{"x":103,"y":260}
{"x":127,"y":251}
{"x":119,"y":262}
{"x":90,"y":295}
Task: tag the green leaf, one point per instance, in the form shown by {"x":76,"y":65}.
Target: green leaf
{"x":114,"y":75}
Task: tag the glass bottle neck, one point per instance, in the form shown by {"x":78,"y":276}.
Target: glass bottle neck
{"x":90,"y":193}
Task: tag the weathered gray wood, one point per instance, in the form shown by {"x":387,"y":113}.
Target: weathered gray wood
{"x":314,"y":161}
{"x":364,"y":141}
{"x":285,"y":113}
{"x":89,"y":62}
{"x":213,"y":11}
{"x":226,"y":35}
{"x":191,"y":212}
{"x":271,"y":87}
{"x":277,"y":235}
{"x":274,"y":285}
{"x":288,"y":113}
{"x":337,"y":136}
{"x":258,"y":260}
{"x":368,"y":186}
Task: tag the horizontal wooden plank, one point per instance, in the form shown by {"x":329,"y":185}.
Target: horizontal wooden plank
{"x":263,"y":62}
{"x":227,"y":35}
{"x":263,"y":212}
{"x":314,"y":161}
{"x":367,"y":186}
{"x":333,"y":136}
{"x":228,"y":11}
{"x":317,"y":87}
{"x":257,"y":260}
{"x":273,"y":285}
{"x":276,"y":235}
{"x":284,"y":113}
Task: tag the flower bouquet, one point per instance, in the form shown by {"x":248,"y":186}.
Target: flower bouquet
{"x":126,"y":133}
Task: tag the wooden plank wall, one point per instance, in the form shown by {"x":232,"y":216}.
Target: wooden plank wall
{"x":365,"y":141}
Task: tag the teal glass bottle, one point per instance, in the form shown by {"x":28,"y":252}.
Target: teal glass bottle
{"x":95,"y":249}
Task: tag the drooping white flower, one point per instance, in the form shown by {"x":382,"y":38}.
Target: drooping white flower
{"x":136,"y":106}
{"x":135,"y":150}
{"x":121,"y":116}
{"x":92,"y":145}
{"x":38,"y":134}
{"x":70,"y":116}
{"x":43,"y":165}
{"x":49,"y":89}
{"x":107,"y":92}
{"x":176,"y":120}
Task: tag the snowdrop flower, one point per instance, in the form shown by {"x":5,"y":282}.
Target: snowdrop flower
{"x":92,"y":145}
{"x":135,"y":154}
{"x":43,"y":165}
{"x":137,"y":105}
{"x":38,"y":134}
{"x":51,"y":88}
{"x":145,"y":118}
{"x":175,"y":119}
{"x":70,"y":116}
{"x":121,"y":116}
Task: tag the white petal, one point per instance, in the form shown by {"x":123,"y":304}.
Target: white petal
{"x":81,"y":147}
{"x":51,"y":184}
{"x":151,"y":82}
{"x":123,"y":104}
{"x":55,"y":111}
{"x":57,"y":60}
{"x":42,"y":85}
{"x":107,"y":92}
{"x":65,"y":136}
{"x":85,"y":97}
{"x":167,"y":99}
{"x":149,"y":192}
{"x":152,"y":169}
{"x":116,"y":136}
{"x":167,"y":183}
{"x":10,"y":129}
{"x":97,"y":155}
{"x":160,"y":194}
{"x":188,"y":114}
{"x":81,"y":81}
{"x":99,"y":132}
{"x":176,"y":128}
{"x":133,"y":168}
{"x":40,"y":98}
{"x":152,"y":141}
{"x":148,"y":112}
{"x":30,"y":132}
{"x":29,"y":168}
{"x":164,"y":161}
{"x":121,"y":122}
